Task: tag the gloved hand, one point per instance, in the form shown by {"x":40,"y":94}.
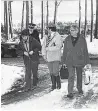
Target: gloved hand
{"x":26,"y":53}
{"x":31,"y":52}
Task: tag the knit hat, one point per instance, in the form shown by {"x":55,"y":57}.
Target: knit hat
{"x":25,"y":32}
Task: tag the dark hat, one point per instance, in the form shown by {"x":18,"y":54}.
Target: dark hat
{"x":31,"y":25}
{"x":25,"y":32}
{"x":52,"y":27}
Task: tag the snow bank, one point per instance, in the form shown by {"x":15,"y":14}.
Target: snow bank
{"x":8,"y":76}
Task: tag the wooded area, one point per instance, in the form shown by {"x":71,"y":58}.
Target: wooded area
{"x":28,"y":6}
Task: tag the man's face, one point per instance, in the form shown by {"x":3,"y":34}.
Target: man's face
{"x":31,"y":29}
{"x":73,"y":31}
{"x":24,"y":37}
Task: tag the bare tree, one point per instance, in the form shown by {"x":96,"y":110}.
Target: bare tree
{"x":22,"y":23}
{"x":79,"y":16}
{"x":47,"y":15}
{"x":27,"y":13}
{"x":55,"y":11}
{"x":6,"y":18}
{"x":10,"y":18}
{"x":42,"y":19}
{"x":31,"y":11}
{"x":91,"y":20}
{"x":85,"y":28}
{"x":96,"y":25}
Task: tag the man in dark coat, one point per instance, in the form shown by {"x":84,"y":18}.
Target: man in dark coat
{"x":75,"y":56}
{"x":33,"y":31}
{"x":30,"y":47}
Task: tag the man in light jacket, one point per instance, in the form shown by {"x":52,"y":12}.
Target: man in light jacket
{"x":75,"y":56}
{"x":51,"y":51}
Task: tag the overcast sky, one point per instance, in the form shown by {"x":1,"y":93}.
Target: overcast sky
{"x":67,"y":10}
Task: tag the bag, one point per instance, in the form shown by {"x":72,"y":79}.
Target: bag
{"x":64,"y":72}
{"x":87,"y":75}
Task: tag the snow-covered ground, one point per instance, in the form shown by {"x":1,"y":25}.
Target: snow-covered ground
{"x":57,"y":99}
{"x":9,"y":74}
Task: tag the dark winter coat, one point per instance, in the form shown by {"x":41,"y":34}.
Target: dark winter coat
{"x":34,"y":45}
{"x":35,"y":35}
{"x":75,"y":55}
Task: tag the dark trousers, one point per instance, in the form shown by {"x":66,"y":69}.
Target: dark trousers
{"x":72,"y":76}
{"x":31,"y":67}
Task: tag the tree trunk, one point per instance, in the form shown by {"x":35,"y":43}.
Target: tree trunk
{"x":85,"y":28}
{"x":22,"y":23}
{"x":27,"y":14}
{"x":10,"y":19}
{"x":91,"y":20}
{"x":79,"y":17}
{"x":96,"y":25}
{"x":5,"y":6}
{"x":42,"y":20}
{"x":31,"y":12}
{"x":55,"y":12}
{"x":6,"y":18}
{"x":47,"y":15}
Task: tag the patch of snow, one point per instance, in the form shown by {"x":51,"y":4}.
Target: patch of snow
{"x":8,"y":76}
{"x":92,"y":46}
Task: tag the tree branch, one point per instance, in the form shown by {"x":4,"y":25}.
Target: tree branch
{"x":59,"y":3}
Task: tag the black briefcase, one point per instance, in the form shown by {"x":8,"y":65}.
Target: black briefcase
{"x":64,"y":72}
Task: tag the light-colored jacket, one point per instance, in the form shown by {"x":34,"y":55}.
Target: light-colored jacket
{"x":52,"y":52}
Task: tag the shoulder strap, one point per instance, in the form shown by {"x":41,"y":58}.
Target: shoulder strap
{"x":50,"y":40}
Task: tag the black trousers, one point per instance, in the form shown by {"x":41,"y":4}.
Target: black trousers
{"x":31,"y":67}
{"x":71,"y":77}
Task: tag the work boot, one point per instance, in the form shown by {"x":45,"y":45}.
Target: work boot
{"x":58,"y":82}
{"x":81,"y":92}
{"x":70,"y":95}
{"x":34,"y":81}
{"x":53,"y":79}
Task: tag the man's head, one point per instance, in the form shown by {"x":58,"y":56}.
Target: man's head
{"x":25,"y":34}
{"x":51,"y":28}
{"x":74,"y":30}
{"x":31,"y":27}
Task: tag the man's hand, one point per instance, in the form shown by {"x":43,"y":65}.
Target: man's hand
{"x":26,"y":53}
{"x":63,"y":65}
{"x":88,"y":66}
{"x":45,"y":58}
{"x":31,"y":52}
